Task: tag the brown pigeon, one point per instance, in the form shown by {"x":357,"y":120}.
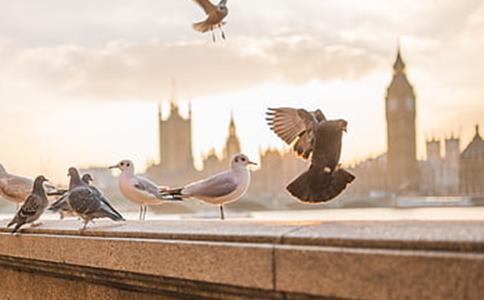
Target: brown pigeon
{"x":312,"y":135}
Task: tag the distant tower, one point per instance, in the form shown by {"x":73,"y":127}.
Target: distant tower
{"x":451,"y":165}
{"x":232,"y":144}
{"x":175,"y":139}
{"x":401,"y":132}
{"x":433,"y":150}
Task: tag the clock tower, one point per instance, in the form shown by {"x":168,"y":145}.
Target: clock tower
{"x":401,"y":132}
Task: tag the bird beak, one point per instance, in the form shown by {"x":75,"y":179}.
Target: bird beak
{"x":252,"y":163}
{"x":114,"y":167}
{"x":345,"y":129}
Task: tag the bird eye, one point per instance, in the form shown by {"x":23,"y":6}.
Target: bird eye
{"x":127,"y":165}
{"x":122,"y":164}
{"x":236,"y":160}
{"x":243,"y":158}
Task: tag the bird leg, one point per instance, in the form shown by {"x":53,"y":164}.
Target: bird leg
{"x":222,"y":216}
{"x":140,"y":212}
{"x":86,"y":221}
{"x":145,"y":208}
{"x":213,"y":35}
{"x":221,"y":30}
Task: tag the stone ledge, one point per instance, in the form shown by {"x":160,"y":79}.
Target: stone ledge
{"x":378,"y":260}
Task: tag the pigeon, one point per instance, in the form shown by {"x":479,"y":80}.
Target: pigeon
{"x":138,"y":189}
{"x":87,"y":202}
{"x":62,"y":205}
{"x":17,"y":188}
{"x":33,"y":207}
{"x":215,"y":16}
{"x":221,"y":188}
{"x":311,"y":134}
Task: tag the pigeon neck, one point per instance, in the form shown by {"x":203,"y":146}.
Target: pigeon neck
{"x":75,"y":181}
{"x":38,"y":187}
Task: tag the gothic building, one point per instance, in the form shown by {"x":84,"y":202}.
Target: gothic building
{"x":401,"y":132}
{"x":175,"y":140}
{"x":472,"y":167}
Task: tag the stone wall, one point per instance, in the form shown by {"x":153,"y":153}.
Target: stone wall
{"x":244,"y":260}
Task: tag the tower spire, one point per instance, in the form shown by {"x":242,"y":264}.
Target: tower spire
{"x":399,"y":65}
{"x":173,"y":104}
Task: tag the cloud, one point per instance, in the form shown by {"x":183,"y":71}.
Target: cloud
{"x":144,"y":71}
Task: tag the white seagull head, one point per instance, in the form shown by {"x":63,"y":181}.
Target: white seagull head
{"x":124,"y":165}
{"x":240,"y":161}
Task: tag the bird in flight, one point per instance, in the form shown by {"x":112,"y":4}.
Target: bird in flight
{"x":221,"y":188}
{"x":215,"y":17}
{"x":313,"y":136}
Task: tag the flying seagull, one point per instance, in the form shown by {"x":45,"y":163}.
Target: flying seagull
{"x":224,"y":187}
{"x":33,"y":207}
{"x":215,"y":17}
{"x":138,"y":189}
{"x":311,"y":134}
{"x":87,"y":202}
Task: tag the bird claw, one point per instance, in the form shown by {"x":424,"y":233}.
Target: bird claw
{"x":36,"y":224}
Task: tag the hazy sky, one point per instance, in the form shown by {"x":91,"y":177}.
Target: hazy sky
{"x":80,"y":80}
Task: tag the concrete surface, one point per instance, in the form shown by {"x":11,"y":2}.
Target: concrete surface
{"x":243,"y":259}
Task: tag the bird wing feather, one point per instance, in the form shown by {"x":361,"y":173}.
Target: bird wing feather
{"x":17,"y":187}
{"x":292,"y":124}
{"x":147,"y":186}
{"x":215,"y":186}
{"x":206,"y":5}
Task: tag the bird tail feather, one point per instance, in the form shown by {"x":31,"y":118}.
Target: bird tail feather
{"x":325,"y":188}
{"x":171,"y":194}
{"x":59,"y":205}
{"x":201,"y":26}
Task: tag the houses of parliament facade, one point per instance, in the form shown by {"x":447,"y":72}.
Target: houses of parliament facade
{"x":397,"y":172}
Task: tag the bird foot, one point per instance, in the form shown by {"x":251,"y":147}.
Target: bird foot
{"x":36,"y":224}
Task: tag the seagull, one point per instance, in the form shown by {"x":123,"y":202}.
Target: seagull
{"x":215,"y":17}
{"x":87,"y":202}
{"x":138,"y":189}
{"x":33,"y":207}
{"x":16,"y":188}
{"x":221,"y":188}
{"x":313,"y":135}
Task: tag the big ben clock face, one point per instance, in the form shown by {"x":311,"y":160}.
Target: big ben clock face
{"x":392,"y":104}
{"x":409,"y":103}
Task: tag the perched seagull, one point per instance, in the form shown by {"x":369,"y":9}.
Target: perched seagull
{"x":62,"y":205}
{"x":87,"y":202}
{"x":215,"y":17}
{"x":138,"y":189}
{"x":313,"y":135}
{"x":224,"y":187}
{"x":33,"y":207}
{"x":17,"y":188}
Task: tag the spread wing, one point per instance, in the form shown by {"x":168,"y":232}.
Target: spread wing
{"x":292,"y":124}
{"x":216,"y":186}
{"x":207,"y":6}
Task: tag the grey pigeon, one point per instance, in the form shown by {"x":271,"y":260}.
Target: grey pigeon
{"x":221,"y":188}
{"x":62,"y":205}
{"x":215,"y":16}
{"x":88,"y":203}
{"x":33,"y":207}
{"x":319,"y":138}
